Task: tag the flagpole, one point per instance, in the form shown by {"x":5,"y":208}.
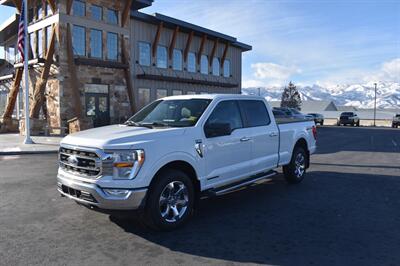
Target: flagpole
{"x":28,"y":139}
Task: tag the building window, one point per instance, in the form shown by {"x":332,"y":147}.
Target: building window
{"x":79,"y":40}
{"x":162,"y":56}
{"x":191,"y":62}
{"x":112,"y":46}
{"x":30,"y":15}
{"x":96,"y":47}
{"x":40,"y":43}
{"x":176,"y":92}
{"x":191,"y":93}
{"x":40,"y":10}
{"x":48,"y":36}
{"x":227,"y":68}
{"x":32,"y":44}
{"x":144,"y":54}
{"x":11,"y":54}
{"x":79,"y":8}
{"x":96,"y":12}
{"x":48,"y":10}
{"x":215,"y":66}
{"x":144,"y":97}
{"x":112,"y":16}
{"x":204,"y":64}
{"x":161,"y":93}
{"x":177,"y":60}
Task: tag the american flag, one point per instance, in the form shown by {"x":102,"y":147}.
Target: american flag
{"x":21,"y":34}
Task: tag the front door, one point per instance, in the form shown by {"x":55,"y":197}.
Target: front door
{"x":227,"y":157}
{"x":98,"y":107}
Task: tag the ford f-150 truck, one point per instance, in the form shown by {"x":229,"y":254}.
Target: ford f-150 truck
{"x":179,"y":149}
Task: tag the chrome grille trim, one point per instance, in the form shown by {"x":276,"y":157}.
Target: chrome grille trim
{"x":89,"y":161}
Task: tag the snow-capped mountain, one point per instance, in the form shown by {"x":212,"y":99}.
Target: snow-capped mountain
{"x":358,"y":95}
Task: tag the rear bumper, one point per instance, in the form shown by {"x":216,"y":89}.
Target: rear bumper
{"x":346,"y":121}
{"x":92,"y":195}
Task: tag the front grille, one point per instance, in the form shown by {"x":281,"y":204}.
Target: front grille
{"x":82,"y":163}
{"x":78,"y":194}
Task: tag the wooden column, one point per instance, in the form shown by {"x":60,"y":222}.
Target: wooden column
{"x":173,"y":41}
{"x":40,"y":86}
{"x":73,"y":76}
{"x":157,"y":38}
{"x":12,"y":95}
{"x":203,"y":41}
{"x":188,"y":44}
{"x":69,"y":6}
{"x":224,"y":54}
{"x":18,"y":5}
{"x":126,"y":13}
{"x":127,"y":73}
{"x":213,"y":51}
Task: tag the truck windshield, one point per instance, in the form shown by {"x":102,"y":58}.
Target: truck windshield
{"x":170,"y":113}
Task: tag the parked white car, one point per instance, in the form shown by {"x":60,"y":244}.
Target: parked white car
{"x":178,"y":149}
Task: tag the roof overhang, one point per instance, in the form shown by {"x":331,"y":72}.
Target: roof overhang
{"x":9,"y":28}
{"x":139,"y":4}
{"x":170,"y":22}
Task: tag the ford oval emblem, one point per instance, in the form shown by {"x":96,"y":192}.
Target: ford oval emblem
{"x":73,"y":160}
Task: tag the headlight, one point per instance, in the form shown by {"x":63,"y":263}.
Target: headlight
{"x":126,"y":165}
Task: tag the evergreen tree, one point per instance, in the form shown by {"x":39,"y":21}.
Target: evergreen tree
{"x":291,"y":97}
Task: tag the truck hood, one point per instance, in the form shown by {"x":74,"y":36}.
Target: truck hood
{"x":119,"y":136}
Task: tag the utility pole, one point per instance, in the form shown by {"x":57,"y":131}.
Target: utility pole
{"x":25,"y":9}
{"x":375,"y":107}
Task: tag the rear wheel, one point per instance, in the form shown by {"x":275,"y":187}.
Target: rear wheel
{"x":294,"y":172}
{"x":322,"y":123}
{"x":171,"y":200}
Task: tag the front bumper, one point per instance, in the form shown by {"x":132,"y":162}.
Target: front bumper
{"x":346,"y":121}
{"x":91,"y":194}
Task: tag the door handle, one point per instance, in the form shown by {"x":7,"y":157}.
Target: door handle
{"x":245,"y":139}
{"x":273,"y":134}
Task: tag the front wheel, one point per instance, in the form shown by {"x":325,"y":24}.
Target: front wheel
{"x":170,"y":202}
{"x":294,"y":172}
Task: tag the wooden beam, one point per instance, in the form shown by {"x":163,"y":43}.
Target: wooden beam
{"x":173,"y":41}
{"x":40,"y":86}
{"x":157,"y":38}
{"x":12,"y":95}
{"x":188,"y":44}
{"x":69,"y":6}
{"x":52,"y":5}
{"x":224,"y":54}
{"x":126,"y":13}
{"x":214,"y":49}
{"x":73,"y":76}
{"x":203,"y":41}
{"x":18,"y":5}
{"x":127,"y":73}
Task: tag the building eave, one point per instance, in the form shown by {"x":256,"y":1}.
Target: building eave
{"x":9,"y":28}
{"x":188,"y":27}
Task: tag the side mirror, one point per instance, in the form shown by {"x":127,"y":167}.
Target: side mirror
{"x":213,"y":130}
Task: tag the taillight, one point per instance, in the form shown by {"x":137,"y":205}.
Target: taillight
{"x":314,"y":132}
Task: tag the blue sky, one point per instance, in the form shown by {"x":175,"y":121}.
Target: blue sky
{"x":323,"y":42}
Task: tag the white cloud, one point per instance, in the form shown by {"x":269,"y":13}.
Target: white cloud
{"x":391,"y":70}
{"x":267,"y":74}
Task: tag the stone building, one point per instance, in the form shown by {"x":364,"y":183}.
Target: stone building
{"x":96,"y":62}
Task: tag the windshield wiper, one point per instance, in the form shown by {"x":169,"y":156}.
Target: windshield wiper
{"x":154,"y":124}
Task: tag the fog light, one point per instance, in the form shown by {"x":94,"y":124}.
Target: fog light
{"x":120,"y":193}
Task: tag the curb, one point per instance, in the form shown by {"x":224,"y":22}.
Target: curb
{"x":27,"y":152}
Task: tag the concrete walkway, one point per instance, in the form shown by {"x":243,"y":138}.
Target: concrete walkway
{"x":12,"y":144}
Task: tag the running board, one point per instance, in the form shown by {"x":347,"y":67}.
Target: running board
{"x":242,"y":183}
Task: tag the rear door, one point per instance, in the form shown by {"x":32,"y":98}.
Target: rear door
{"x":264,"y":134}
{"x":227,"y":157}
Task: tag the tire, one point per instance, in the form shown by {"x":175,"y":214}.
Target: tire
{"x":294,"y":172}
{"x":358,"y":123}
{"x":322,"y":123}
{"x":170,"y":201}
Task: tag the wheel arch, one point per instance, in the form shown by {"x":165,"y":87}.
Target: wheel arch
{"x":302,"y":142}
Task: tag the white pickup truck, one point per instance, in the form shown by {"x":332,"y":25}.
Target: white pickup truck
{"x":178,"y":149}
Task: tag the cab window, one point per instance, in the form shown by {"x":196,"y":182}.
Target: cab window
{"x":255,"y":112}
{"x":226,"y":112}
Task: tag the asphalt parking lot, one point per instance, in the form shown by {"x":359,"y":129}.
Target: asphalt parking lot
{"x":346,"y":212}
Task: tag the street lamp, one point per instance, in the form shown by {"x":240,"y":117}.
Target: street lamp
{"x":375,"y":107}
